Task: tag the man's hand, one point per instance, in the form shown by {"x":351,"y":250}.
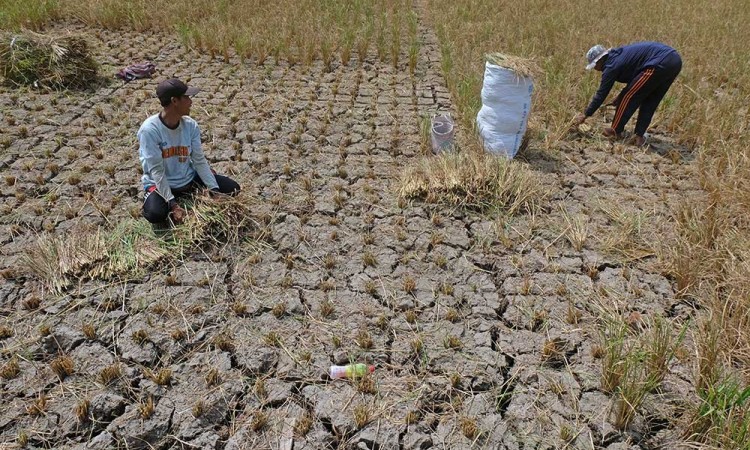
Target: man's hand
{"x":215,"y":194}
{"x":579,"y":119}
{"x":611,"y":134}
{"x":178,"y":214}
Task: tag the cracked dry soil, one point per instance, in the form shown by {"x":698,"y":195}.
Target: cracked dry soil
{"x":228,"y":349}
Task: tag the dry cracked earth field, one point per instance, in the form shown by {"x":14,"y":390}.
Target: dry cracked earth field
{"x":482,"y":329}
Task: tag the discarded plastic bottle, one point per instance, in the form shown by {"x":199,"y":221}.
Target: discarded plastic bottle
{"x":351,"y":371}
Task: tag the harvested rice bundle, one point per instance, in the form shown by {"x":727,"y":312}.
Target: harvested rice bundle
{"x":132,"y":247}
{"x":216,"y":220}
{"x":522,"y":67}
{"x":33,"y":59}
{"x":474,"y":180}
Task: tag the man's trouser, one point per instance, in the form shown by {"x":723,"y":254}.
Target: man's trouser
{"x":156,"y":209}
{"x":646,"y":91}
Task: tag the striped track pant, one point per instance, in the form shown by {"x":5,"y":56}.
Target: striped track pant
{"x":644,"y":93}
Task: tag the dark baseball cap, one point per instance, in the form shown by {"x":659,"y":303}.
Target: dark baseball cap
{"x":173,"y":87}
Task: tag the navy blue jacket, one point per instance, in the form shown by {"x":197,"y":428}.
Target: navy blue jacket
{"x":625,"y":63}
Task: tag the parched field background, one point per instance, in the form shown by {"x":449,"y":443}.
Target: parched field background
{"x":587,"y":295}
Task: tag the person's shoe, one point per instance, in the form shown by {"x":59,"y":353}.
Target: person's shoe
{"x":611,"y":134}
{"x":638,"y":141}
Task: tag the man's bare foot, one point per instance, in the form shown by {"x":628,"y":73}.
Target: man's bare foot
{"x":638,"y":141}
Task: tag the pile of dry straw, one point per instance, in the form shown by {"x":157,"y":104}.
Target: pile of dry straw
{"x":46,"y":62}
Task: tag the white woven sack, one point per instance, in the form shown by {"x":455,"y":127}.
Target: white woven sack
{"x":506,"y":103}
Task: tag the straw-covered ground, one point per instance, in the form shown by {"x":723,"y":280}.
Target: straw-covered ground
{"x":536,"y":321}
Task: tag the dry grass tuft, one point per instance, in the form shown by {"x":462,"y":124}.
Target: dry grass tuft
{"x":371,"y":288}
{"x":162,"y":377}
{"x":216,"y":220}
{"x":629,"y":238}
{"x":361,"y":415}
{"x":259,"y":422}
{"x":146,"y":408}
{"x":366,"y":384}
{"x":38,"y":406}
{"x":22,"y":439}
{"x":412,"y":417}
{"x":577,"y":230}
{"x":140,"y":337}
{"x":239,"y":308}
{"x":303,"y":424}
{"x":6,"y":332}
{"x":213,"y":377}
{"x":567,"y":434}
{"x":178,"y":334}
{"x":81,"y":410}
{"x":110,"y":374}
{"x":452,"y":342}
{"x":417,"y":346}
{"x":455,"y":380}
{"x":89,"y":330}
{"x":452,"y":315}
{"x":382,"y":322}
{"x":329,"y":261}
{"x":10,"y":369}
{"x":279,"y":310}
{"x":45,"y":330}
{"x":469,"y":427}
{"x":32,"y":302}
{"x":260,"y":388}
{"x":368,"y":259}
{"x":327,"y":308}
{"x":199,"y":407}
{"x":325,"y":285}
{"x":409,"y":284}
{"x":553,"y":352}
{"x":224,"y":342}
{"x":62,"y":366}
{"x":474,"y":180}
{"x":364,"y":340}
{"x":273,"y":339}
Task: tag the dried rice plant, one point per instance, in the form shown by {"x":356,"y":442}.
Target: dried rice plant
{"x":217,"y":219}
{"x":33,"y":59}
{"x":129,"y":248}
{"x":631,"y":233}
{"x":522,"y":67}
{"x":52,"y":258}
{"x":92,"y":254}
{"x":577,"y":230}
{"x":475,"y":180}
{"x":132,"y":247}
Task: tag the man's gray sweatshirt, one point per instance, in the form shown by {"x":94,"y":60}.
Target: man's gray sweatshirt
{"x":172,"y":157}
